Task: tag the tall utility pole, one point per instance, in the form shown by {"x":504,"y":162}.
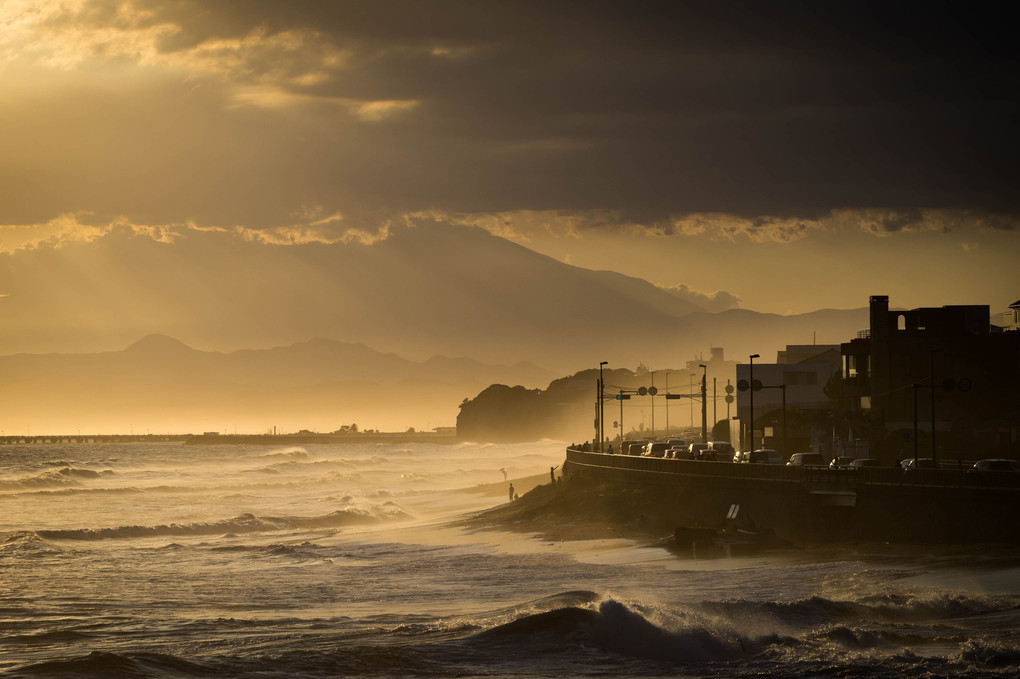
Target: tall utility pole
{"x":704,"y":404}
{"x":667,"y":403}
{"x":652,"y":392}
{"x":602,"y":410}
{"x":750,"y":432}
{"x":692,"y":400}
{"x":931,"y":355}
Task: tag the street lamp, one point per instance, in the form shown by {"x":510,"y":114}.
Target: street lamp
{"x":931,"y":356}
{"x":751,"y":419}
{"x":704,"y":394}
{"x":602,"y":411}
{"x":652,"y":392}
{"x":667,"y":402}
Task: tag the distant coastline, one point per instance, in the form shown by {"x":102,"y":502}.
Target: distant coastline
{"x":308,"y":438}
{"x":235,"y":439}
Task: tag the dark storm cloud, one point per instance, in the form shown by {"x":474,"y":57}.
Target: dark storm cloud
{"x":651,"y":109}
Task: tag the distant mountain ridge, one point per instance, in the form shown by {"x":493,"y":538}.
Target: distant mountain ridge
{"x":394,"y":311}
{"x":170,"y":387}
{"x":312,"y":362}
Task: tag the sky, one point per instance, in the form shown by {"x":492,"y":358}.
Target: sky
{"x":780,"y":157}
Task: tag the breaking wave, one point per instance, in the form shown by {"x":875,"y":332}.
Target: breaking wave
{"x":57,"y":478}
{"x":887,"y":608}
{"x":288,"y":454}
{"x":616,"y":628}
{"x":26,"y":542}
{"x":244,"y":523}
{"x":103,"y":664}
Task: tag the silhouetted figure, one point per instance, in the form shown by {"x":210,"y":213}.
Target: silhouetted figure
{"x":610,"y":448}
{"x":503,"y":469}
{"x":552,"y":474}
{"x":515,"y":496}
{"x":512,"y":494}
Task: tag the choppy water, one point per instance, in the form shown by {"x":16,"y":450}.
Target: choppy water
{"x":174,"y":561}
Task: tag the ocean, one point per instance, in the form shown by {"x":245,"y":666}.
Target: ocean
{"x":169,"y":560}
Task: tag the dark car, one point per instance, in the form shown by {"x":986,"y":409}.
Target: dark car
{"x":760,"y":456}
{"x":862,"y":462}
{"x":995,"y":465}
{"x":697,"y":451}
{"x":806,"y":460}
{"x":657,"y":449}
{"x":910,"y":464}
{"x":723,"y":450}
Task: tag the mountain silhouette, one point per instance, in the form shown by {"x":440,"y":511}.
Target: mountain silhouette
{"x":426,"y":290}
{"x":160,"y":382}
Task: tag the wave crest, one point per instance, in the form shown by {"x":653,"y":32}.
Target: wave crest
{"x":244,"y":523}
{"x":56,"y":478}
{"x":615,"y":628}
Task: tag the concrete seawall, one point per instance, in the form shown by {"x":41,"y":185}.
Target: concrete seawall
{"x":823,"y":505}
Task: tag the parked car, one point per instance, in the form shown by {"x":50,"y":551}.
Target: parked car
{"x":841,"y":462}
{"x":806,"y":460}
{"x":995,"y":465}
{"x":863,"y":462}
{"x":760,"y":456}
{"x":656,"y":449}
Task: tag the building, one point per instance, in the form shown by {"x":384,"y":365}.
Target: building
{"x":947,"y":370}
{"x":1011,"y":318}
{"x":798,"y":377}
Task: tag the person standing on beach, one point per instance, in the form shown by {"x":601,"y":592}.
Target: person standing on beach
{"x":552,"y":474}
{"x":511,"y":492}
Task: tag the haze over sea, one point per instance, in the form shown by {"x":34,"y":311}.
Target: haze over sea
{"x":168,"y":560}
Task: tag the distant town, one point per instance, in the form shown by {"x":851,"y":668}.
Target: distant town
{"x":937,"y":383}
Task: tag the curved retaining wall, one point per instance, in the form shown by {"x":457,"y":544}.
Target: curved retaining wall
{"x":819,"y":504}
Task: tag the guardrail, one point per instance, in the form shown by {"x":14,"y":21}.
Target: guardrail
{"x":821,"y":477}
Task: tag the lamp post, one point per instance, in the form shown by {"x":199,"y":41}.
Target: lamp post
{"x":602,"y":410}
{"x":691,"y":375}
{"x":931,"y":357}
{"x":750,"y":432}
{"x":652,"y":392}
{"x":667,"y":402}
{"x":704,"y":406}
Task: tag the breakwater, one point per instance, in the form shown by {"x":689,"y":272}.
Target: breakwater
{"x":821,"y":504}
